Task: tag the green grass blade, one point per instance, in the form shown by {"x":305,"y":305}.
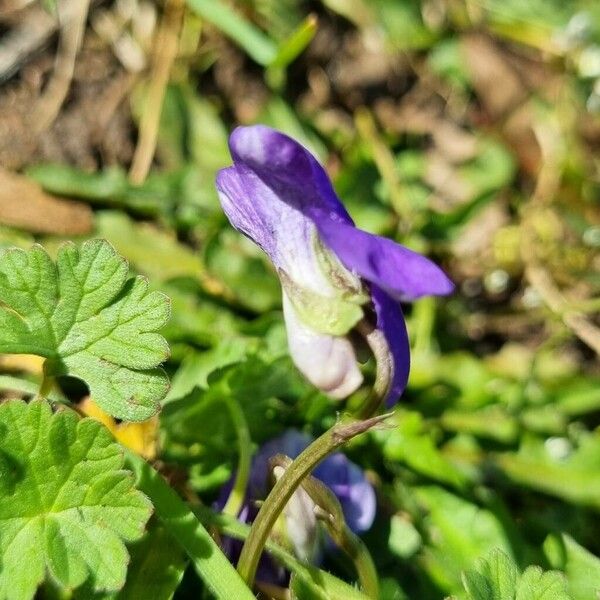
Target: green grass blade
{"x":289,"y":49}
{"x":210,"y":563}
{"x":256,"y":44}
{"x":321,"y":584}
{"x":8,"y":382}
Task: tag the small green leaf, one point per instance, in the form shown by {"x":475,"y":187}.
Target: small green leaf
{"x":89,"y":321}
{"x":241,"y":269}
{"x":290,"y":48}
{"x":66,"y":505}
{"x":477,"y":586}
{"x":581,"y":567}
{"x":157,"y":566}
{"x":410,"y":443}
{"x":460,"y":532}
{"x":137,"y":241}
{"x":574,"y":477}
{"x":404,"y":539}
{"x":199,"y":420}
{"x":105,"y":186}
{"x":493,"y":579}
{"x":255,"y":43}
{"x":497,"y":577}
{"x":537,"y":585}
{"x":155,"y":570}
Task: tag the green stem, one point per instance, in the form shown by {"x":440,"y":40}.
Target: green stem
{"x":323,"y":585}
{"x":330,"y":512}
{"x":259,"y":46}
{"x":386,"y":165}
{"x":361,"y":557}
{"x":208,"y":560}
{"x":424,"y":318}
{"x":384,"y":369}
{"x":238,"y":491}
{"x":287,"y":484}
{"x":8,"y":382}
{"x":47,"y":384}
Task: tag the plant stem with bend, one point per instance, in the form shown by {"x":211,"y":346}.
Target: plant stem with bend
{"x":287,"y":484}
{"x":238,"y":491}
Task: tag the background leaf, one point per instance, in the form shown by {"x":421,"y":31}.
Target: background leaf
{"x":497,"y":578}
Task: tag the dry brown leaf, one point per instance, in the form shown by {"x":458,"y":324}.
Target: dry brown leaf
{"x":498,"y":86}
{"x":503,"y":89}
{"x":25,"y":205}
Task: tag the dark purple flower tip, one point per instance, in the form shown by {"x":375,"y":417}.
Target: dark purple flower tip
{"x":402,"y":273}
{"x":287,"y":166}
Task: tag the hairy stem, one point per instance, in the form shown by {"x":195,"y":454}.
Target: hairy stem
{"x":330,"y":512}
{"x":384,"y":369}
{"x":287,"y":485}
{"x":352,"y":545}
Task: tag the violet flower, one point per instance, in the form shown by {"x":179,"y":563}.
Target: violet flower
{"x":300,"y":528}
{"x":346,"y":480}
{"x":332,"y":273}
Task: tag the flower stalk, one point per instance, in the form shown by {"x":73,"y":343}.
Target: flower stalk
{"x":384,"y":366}
{"x":236,"y":497}
{"x":288,"y":483}
{"x":329,"y":511}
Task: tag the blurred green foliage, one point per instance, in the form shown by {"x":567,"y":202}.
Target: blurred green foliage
{"x":468,"y":130}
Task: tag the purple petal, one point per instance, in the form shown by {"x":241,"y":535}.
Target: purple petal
{"x":353,"y":490}
{"x":390,"y":322}
{"x":402,"y":273}
{"x":288,"y":168}
{"x":278,"y":194}
{"x":288,"y":238}
{"x":327,"y":361}
{"x":290,"y":443}
{"x":283,"y":232}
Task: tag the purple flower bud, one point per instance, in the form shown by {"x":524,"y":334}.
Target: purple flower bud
{"x":345,"y":479}
{"x":277,"y":194}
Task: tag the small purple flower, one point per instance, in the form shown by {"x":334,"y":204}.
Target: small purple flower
{"x":345,"y":479}
{"x":277,"y":194}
